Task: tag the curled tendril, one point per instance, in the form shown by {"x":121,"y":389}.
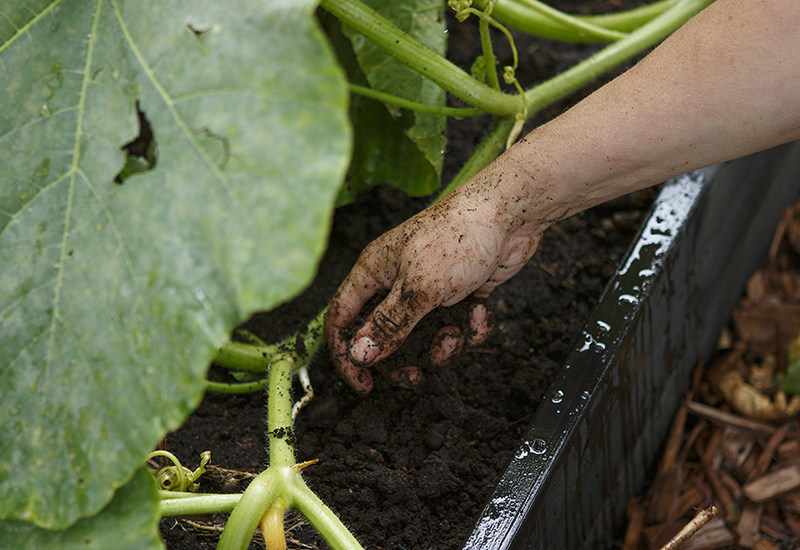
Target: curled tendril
{"x":508,"y":74}
{"x":177,"y":477}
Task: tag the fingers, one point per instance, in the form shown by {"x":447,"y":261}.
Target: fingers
{"x":390,"y":323}
{"x":354,"y":292}
{"x":479,"y":325}
{"x":448,"y":342}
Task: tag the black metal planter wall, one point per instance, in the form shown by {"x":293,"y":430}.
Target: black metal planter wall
{"x":593,"y":441}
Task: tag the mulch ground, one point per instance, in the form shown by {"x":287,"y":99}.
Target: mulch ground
{"x":735,"y":442}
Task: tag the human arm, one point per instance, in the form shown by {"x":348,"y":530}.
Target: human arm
{"x":723,"y":86}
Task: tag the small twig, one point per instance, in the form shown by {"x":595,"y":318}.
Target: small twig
{"x":726,"y":419}
{"x":691,"y":528}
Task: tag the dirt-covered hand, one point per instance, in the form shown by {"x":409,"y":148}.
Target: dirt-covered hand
{"x":455,"y":248}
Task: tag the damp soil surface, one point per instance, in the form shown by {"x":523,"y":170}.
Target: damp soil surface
{"x":412,"y":469}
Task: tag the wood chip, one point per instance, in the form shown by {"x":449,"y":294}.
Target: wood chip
{"x":748,"y":526}
{"x":775,"y":528}
{"x":727,"y":419}
{"x":773,"y":484}
{"x":764,"y":544}
{"x":765,"y":459}
{"x":635,"y":524}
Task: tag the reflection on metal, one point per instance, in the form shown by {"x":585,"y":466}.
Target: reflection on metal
{"x":590,"y":446}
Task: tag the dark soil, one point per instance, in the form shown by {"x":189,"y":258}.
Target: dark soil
{"x":412,"y":469}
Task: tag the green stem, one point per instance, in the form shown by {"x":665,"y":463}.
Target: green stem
{"x":186,"y":504}
{"x":583,"y":29}
{"x":489,"y":61}
{"x":490,"y":147}
{"x":420,"y":58}
{"x":238,"y":356}
{"x":252,"y":506}
{"x":279,"y":413}
{"x":322,"y":518}
{"x":243,"y":357}
{"x":237,"y":388}
{"x":570,"y":80}
{"x":612,"y":55}
{"x":455,"y":112}
{"x":517,"y":14}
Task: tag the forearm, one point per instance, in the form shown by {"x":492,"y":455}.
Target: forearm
{"x":724,"y":85}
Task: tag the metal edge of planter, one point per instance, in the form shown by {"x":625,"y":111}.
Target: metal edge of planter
{"x":596,"y":437}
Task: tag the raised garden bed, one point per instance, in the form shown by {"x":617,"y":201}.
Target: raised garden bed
{"x":591,"y":445}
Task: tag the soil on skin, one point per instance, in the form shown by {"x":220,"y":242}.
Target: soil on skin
{"x":412,"y":469}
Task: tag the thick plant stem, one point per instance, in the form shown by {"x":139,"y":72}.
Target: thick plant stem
{"x":614,"y":54}
{"x":582,"y":28}
{"x":519,"y":15}
{"x":489,"y":60}
{"x":490,"y":147}
{"x":256,"y":358}
{"x":279,"y":477}
{"x":426,"y":62}
{"x":193,"y":503}
{"x":322,"y":518}
{"x":279,"y":413}
{"x":252,"y":506}
{"x":572,"y":79}
{"x":243,"y":357}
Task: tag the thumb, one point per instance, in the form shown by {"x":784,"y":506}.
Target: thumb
{"x":390,"y":324}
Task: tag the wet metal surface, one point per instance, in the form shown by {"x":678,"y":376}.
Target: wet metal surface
{"x":595,"y":439}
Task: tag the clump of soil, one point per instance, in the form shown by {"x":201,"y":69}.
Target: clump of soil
{"x":413,"y":468}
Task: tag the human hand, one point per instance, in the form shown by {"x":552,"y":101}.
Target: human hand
{"x":458,"y":247}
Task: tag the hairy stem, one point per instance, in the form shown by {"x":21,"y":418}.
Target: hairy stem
{"x":455,"y":112}
{"x":490,"y":147}
{"x":252,"y":506}
{"x":329,"y":526}
{"x":192,"y":504}
{"x":420,"y":58}
{"x":489,"y":60}
{"x":256,"y":358}
{"x":521,"y":16}
{"x":279,"y":413}
{"x":614,"y":54}
{"x":237,"y":388}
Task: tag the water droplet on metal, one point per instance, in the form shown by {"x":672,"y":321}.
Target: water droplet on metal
{"x":557,"y":397}
{"x":538,"y":446}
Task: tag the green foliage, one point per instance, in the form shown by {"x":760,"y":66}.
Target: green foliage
{"x":401,"y":148}
{"x":790,"y":382}
{"x":116,"y":294}
{"x":169,"y":167}
{"x":129,"y":522}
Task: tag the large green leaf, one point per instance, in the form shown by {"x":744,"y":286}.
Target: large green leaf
{"x":129,"y":522}
{"x":115,"y":296}
{"x":377,"y":136}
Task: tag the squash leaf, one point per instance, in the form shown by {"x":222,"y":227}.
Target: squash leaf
{"x":167,"y":167}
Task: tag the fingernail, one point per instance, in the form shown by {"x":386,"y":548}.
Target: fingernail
{"x":447,"y":343}
{"x":363,"y":350}
{"x":478,"y":316}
